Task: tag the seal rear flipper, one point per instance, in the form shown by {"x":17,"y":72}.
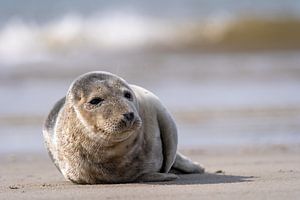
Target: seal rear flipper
{"x":48,"y":130}
{"x":184,"y":165}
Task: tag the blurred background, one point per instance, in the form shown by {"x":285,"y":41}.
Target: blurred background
{"x":228,"y":70}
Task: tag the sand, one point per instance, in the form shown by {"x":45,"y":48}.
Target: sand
{"x":232,"y":173}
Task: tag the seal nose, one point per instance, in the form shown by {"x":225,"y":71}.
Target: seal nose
{"x":129,"y":116}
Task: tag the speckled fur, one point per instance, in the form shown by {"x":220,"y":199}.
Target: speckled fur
{"x":90,"y":145}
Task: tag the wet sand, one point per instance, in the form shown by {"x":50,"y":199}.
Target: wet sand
{"x":256,"y":172}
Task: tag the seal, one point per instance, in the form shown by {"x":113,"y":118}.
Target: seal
{"x":107,"y":131}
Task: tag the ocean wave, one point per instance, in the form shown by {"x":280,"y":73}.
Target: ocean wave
{"x":28,"y":41}
{"x":72,"y":34}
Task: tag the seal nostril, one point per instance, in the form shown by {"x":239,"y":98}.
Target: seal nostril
{"x":129,"y":116}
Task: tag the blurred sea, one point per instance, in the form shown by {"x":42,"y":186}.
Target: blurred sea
{"x":229,"y":71}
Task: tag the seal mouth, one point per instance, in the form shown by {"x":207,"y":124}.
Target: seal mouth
{"x":120,"y":132}
{"x":131,"y":125}
{"x":125,"y":133}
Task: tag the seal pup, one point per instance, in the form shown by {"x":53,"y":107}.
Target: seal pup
{"x":107,"y":131}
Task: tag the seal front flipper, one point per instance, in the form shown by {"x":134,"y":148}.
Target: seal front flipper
{"x":168,"y":132}
{"x":166,"y":125}
{"x":48,"y":130}
{"x":157,"y":177}
{"x":172,"y":158}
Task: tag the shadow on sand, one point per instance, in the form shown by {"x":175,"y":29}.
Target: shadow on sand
{"x":207,"y":178}
{"x":185,"y":179}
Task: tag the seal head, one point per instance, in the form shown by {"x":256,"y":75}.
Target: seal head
{"x":106,"y":106}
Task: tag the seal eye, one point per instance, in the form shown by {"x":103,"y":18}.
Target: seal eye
{"x":96,"y":101}
{"x":128,"y":95}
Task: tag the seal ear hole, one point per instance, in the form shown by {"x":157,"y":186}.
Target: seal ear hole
{"x":128,"y":95}
{"x":96,"y":101}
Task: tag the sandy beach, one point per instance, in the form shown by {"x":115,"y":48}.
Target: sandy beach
{"x":242,"y":122}
{"x":228,"y":72}
{"x":256,"y":172}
